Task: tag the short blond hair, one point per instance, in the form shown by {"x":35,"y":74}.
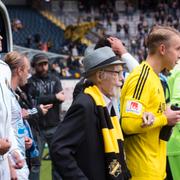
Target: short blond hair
{"x":159,"y":35}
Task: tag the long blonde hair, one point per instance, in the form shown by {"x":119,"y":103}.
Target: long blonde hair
{"x":14,"y":59}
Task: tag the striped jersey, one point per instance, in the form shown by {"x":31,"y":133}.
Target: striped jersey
{"x":146,"y":153}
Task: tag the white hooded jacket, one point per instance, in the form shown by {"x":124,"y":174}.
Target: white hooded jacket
{"x":6,"y":130}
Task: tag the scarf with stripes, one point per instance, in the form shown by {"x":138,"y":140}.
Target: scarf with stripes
{"x":112,"y":137}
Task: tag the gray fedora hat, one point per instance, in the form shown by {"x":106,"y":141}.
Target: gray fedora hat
{"x":100,"y":58}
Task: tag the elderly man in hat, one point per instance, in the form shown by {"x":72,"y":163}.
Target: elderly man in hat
{"x":88,"y":144}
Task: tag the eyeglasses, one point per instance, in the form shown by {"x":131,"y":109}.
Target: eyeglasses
{"x":119,"y":73}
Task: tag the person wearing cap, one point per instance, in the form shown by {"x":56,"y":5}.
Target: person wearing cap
{"x":142,"y":91}
{"x":44,"y":88}
{"x":88,"y":143}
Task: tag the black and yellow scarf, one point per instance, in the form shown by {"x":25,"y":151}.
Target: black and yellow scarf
{"x":112,"y":137}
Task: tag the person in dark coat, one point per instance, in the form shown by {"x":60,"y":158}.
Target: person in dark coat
{"x":88,"y":143}
{"x":45,"y":88}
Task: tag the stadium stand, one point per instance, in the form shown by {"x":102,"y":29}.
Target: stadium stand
{"x":36,"y":27}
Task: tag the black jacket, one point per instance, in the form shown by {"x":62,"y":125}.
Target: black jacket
{"x":42,"y":90}
{"x":77,"y":150}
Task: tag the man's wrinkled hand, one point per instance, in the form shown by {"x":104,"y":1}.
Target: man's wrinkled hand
{"x":148,"y":119}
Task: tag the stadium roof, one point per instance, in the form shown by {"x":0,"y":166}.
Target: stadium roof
{"x":31,"y":52}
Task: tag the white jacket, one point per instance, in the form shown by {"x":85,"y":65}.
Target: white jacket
{"x":6,"y":130}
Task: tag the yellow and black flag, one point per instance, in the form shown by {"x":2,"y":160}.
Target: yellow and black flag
{"x":77,"y":32}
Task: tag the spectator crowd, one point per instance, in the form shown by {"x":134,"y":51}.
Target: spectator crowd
{"x":124,"y":119}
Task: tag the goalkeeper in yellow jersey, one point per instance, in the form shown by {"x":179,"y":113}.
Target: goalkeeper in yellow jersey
{"x":143,"y":92}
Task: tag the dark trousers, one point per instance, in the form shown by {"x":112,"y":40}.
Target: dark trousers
{"x":43,"y":137}
{"x":34,"y":167}
{"x":168,"y":170}
{"x":34,"y":173}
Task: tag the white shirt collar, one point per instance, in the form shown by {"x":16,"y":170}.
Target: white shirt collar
{"x":108,"y":102}
{"x":111,"y":102}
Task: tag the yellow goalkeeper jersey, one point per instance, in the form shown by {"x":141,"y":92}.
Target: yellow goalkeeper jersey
{"x":145,"y":152}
